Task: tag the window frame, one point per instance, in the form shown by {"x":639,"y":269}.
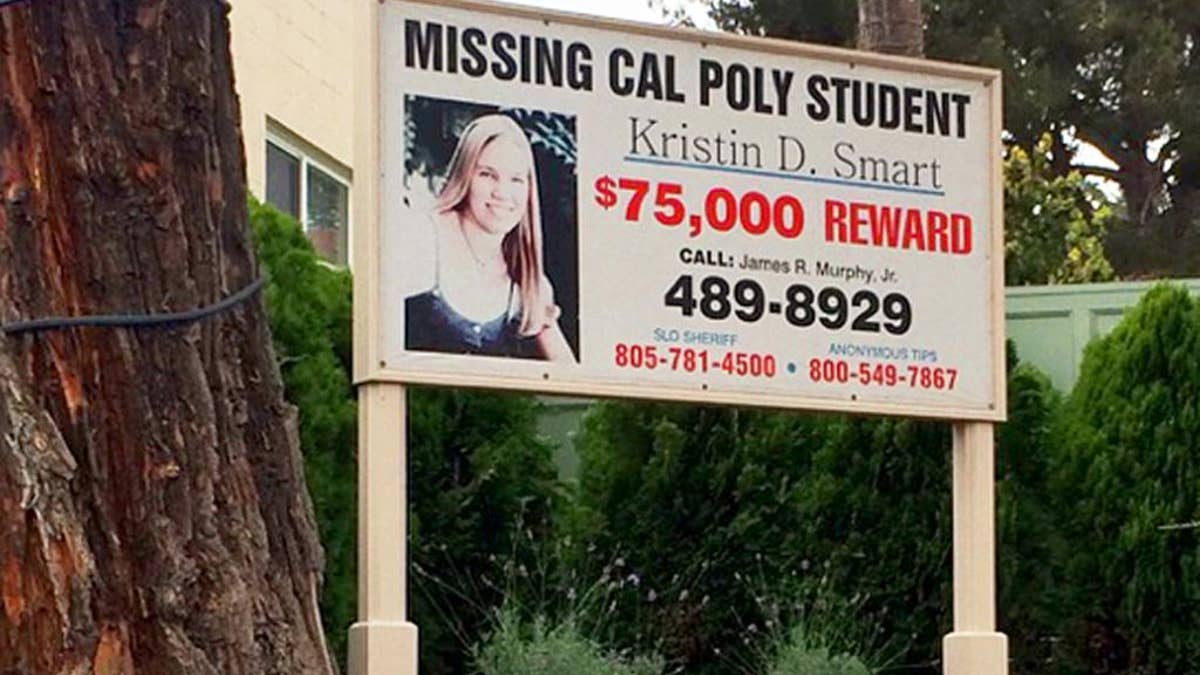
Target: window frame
{"x":306,"y":159}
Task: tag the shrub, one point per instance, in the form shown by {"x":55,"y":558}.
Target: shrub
{"x":809,"y":630}
{"x":1128,"y":488}
{"x":800,"y":654}
{"x":538,"y":648}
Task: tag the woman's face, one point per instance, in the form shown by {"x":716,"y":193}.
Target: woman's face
{"x":499,"y":189}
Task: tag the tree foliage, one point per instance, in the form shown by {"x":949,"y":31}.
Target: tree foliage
{"x":1054,"y":225}
{"x":1122,"y":76}
{"x":830,"y":22}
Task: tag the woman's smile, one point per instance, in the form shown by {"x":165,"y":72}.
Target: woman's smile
{"x":502,"y":207}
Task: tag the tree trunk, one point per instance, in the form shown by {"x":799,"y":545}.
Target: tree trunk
{"x":1142,"y":183}
{"x":153,"y":512}
{"x":891,"y":27}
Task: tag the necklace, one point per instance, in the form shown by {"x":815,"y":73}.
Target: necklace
{"x":479,"y":262}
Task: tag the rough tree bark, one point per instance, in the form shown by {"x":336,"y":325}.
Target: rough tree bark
{"x":153,"y":512}
{"x":891,"y":27}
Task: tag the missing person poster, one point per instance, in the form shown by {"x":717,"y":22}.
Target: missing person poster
{"x":582,"y":206}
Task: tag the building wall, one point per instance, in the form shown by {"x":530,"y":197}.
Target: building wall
{"x":293,"y":69}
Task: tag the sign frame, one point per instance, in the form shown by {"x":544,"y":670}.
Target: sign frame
{"x":371,"y":367}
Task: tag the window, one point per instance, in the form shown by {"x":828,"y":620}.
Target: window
{"x":283,"y":180}
{"x":318,"y":197}
{"x":328,"y":205}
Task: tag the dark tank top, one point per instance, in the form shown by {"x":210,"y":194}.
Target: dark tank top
{"x":432,"y":325}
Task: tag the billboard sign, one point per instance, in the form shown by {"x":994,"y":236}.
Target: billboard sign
{"x":575,"y":205}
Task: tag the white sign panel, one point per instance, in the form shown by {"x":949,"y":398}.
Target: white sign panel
{"x":589,"y":207}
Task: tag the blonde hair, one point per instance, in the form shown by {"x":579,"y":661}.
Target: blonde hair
{"x":522,"y":247}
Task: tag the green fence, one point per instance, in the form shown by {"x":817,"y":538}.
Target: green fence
{"x":1052,"y":324}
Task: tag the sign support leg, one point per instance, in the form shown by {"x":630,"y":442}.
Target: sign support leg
{"x":975,"y":647}
{"x":382,"y":642}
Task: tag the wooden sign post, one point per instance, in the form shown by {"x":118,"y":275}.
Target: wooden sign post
{"x":974,"y":648}
{"x":382,"y":641}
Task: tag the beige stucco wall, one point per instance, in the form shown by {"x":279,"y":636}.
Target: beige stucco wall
{"x":292,"y":63}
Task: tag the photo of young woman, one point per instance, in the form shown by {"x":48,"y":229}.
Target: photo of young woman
{"x":490,"y":295}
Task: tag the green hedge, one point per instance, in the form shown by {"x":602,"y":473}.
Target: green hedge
{"x":1128,"y":489}
{"x":717,"y":508}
